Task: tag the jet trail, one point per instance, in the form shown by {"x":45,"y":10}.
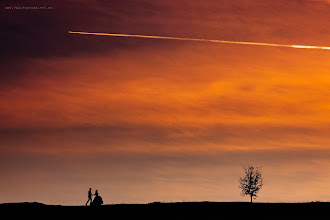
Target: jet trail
{"x":204,"y":40}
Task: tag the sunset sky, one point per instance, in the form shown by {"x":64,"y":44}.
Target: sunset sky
{"x":144,"y":120}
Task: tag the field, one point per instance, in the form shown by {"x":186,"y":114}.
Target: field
{"x":184,"y":210}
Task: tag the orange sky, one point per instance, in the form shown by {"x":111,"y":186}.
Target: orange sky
{"x":145,"y":120}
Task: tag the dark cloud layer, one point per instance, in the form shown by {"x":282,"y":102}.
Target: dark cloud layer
{"x":145,"y":138}
{"x":44,"y":33}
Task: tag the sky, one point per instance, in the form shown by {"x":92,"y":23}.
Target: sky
{"x":144,"y":120}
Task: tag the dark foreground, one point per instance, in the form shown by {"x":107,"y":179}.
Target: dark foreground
{"x":156,"y":211}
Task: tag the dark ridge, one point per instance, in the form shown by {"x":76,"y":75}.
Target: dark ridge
{"x":23,"y":204}
{"x":169,"y":211}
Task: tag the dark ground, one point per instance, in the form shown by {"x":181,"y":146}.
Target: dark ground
{"x":158,"y":211}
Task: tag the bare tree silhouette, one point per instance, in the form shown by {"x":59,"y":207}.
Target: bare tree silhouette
{"x":251,"y":183}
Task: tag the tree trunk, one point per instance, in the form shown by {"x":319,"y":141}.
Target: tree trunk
{"x":251,"y":198}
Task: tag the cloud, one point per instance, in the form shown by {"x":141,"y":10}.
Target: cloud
{"x":163,"y":139}
{"x":45,"y":33}
{"x":327,"y":1}
{"x":193,"y":85}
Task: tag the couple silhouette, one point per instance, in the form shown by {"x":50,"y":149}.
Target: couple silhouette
{"x":97,"y":199}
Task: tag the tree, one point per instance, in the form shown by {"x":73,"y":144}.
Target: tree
{"x":251,"y":183}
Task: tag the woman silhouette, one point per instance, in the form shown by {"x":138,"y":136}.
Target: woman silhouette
{"x":97,"y":200}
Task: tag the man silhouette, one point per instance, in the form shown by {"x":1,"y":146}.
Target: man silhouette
{"x":89,"y":196}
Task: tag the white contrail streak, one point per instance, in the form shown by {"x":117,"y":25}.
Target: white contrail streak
{"x":204,"y":40}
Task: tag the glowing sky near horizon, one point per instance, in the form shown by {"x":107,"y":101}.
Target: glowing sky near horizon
{"x":145,"y":120}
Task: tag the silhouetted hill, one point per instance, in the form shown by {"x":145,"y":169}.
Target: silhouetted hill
{"x":184,"y":210}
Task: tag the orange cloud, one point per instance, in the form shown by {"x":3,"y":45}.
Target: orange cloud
{"x":191,"y":86}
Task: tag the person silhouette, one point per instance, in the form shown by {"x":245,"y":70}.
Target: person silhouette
{"x":97,"y":200}
{"x":89,"y":196}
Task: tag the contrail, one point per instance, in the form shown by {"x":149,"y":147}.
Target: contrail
{"x":204,"y":40}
